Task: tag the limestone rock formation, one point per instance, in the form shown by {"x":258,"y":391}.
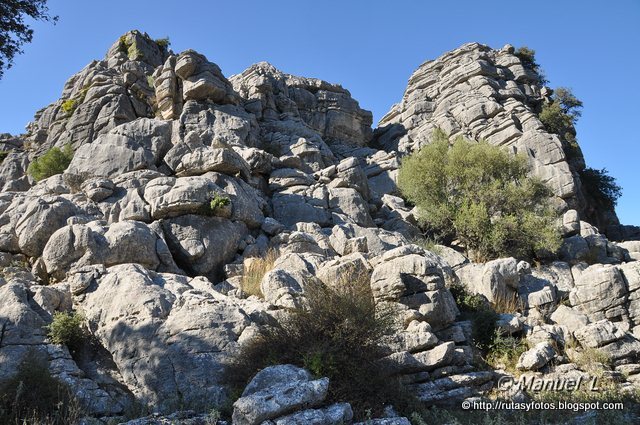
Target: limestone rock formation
{"x":183,"y":180}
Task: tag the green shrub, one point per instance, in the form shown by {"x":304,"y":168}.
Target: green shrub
{"x":602,"y":188}
{"x":559,"y":117}
{"x":481,"y":195}
{"x":33,"y":397}
{"x":218,"y":202}
{"x":54,"y":161}
{"x":3,"y":155}
{"x":69,"y":105}
{"x":163,"y":43}
{"x":339,"y":335}
{"x":123,"y":45}
{"x":66,"y":329}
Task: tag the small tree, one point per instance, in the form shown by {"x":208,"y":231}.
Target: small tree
{"x":601,"y":187}
{"x":54,"y":161}
{"x":481,"y":195}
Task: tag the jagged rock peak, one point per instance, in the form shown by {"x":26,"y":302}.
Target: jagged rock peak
{"x":325,"y":107}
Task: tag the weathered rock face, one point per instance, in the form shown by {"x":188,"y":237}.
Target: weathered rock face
{"x":166,"y":337}
{"x":326,"y":108}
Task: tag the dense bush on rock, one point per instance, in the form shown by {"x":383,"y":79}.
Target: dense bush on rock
{"x":54,"y":161}
{"x":481,"y":195}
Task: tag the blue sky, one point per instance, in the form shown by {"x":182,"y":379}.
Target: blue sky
{"x":371,"y":48}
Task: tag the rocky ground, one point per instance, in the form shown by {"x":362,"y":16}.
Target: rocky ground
{"x":125,"y":235}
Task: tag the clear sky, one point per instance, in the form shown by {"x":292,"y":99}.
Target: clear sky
{"x":371,"y":48}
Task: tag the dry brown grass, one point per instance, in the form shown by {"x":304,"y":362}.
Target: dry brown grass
{"x":254,"y":270}
{"x":508,"y":304}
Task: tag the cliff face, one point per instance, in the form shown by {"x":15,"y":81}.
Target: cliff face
{"x":127,"y":234}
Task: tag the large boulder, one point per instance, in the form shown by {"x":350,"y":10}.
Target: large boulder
{"x":600,"y":292}
{"x":414,"y":277}
{"x":285,"y":393}
{"x":167,"y":339}
{"x":203,"y":245}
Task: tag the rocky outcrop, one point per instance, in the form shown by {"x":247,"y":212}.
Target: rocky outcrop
{"x":183,"y":182}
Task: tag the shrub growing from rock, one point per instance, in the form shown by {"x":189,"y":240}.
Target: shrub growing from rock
{"x":54,"y":161}
{"x":339,"y":335}
{"x":481,"y":195}
{"x":66,"y":329}
{"x":218,"y":203}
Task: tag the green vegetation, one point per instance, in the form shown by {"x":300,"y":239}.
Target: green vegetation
{"x":601,"y":186}
{"x":3,"y":155}
{"x":254,"y":270}
{"x":559,"y":117}
{"x":482,"y":196}
{"x":15,"y":27}
{"x":69,"y":105}
{"x":483,"y":317}
{"x":499,"y":350}
{"x":123,"y":45}
{"x":163,"y":43}
{"x":218,"y":204}
{"x":66,"y":329}
{"x":33,"y":397}
{"x":52,"y":162}
{"x":528,"y":58}
{"x":338,"y":335}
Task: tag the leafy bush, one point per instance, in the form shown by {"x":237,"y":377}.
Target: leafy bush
{"x":218,"y":202}
{"x":339,"y":335}
{"x":54,"y":161}
{"x":123,"y":45}
{"x":481,"y":195}
{"x":254,"y":271}
{"x":33,"y":396}
{"x":601,"y":187}
{"x":163,"y":43}
{"x":505,"y":351}
{"x":69,"y":105}
{"x":66,"y":329}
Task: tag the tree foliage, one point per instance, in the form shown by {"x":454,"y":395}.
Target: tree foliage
{"x":481,"y":195}
{"x":14,"y":31}
{"x":528,"y":58}
{"x":561,"y":114}
{"x":601,"y":186}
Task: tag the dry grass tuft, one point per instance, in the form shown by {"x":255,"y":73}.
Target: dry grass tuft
{"x":508,"y":304}
{"x":254,"y":270}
